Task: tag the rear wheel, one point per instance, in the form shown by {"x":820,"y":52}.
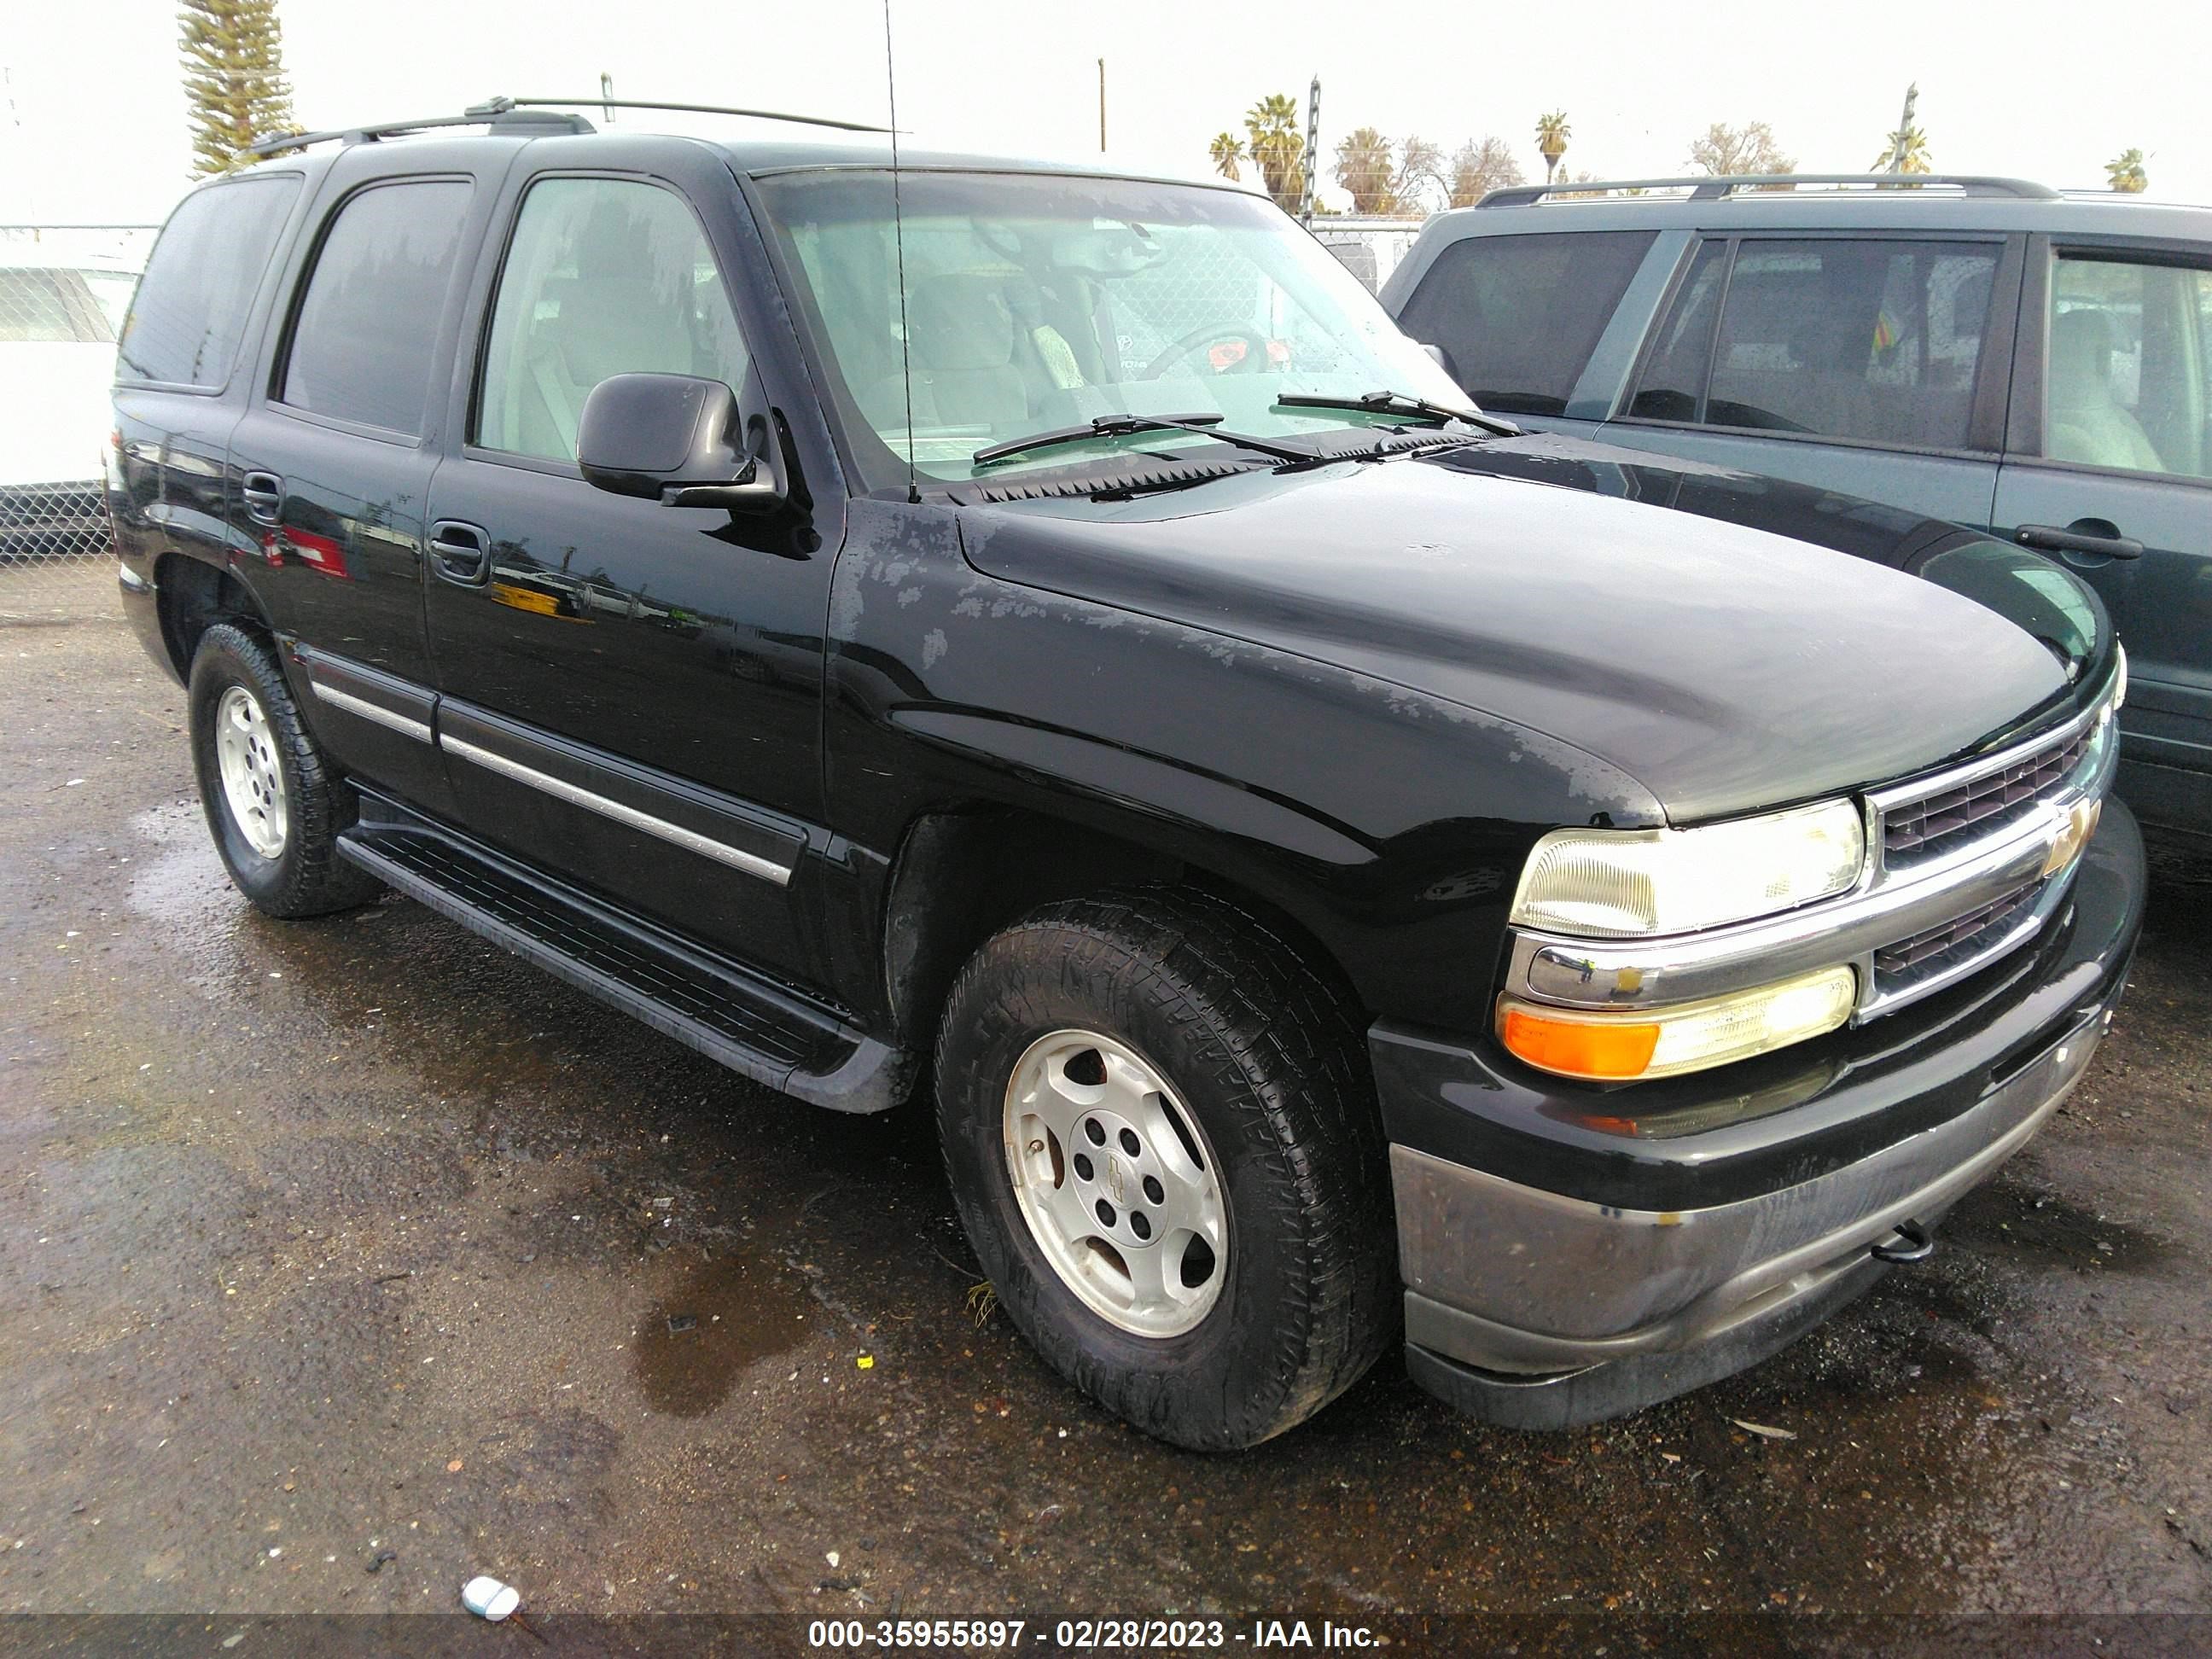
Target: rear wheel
{"x":275,"y":804}
{"x":1162,"y":1141}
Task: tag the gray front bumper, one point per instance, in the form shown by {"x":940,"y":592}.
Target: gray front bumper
{"x":1510,"y":1279}
{"x":1546,"y":1287}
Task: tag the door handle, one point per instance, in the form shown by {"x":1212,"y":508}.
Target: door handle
{"x":2049,"y":538}
{"x":462,"y":552}
{"x":263,"y":496}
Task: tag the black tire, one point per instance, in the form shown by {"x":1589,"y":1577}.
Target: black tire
{"x":1269,"y":1062}
{"x":306,"y":877}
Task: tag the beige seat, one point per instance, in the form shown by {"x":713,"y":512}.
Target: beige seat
{"x":606,"y":324}
{"x":961,"y":330}
{"x":2088,"y":423}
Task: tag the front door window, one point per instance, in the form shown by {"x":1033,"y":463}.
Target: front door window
{"x":605,"y":276}
{"x":2131,"y":357}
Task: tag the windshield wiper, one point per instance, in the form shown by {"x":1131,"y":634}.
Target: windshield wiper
{"x":1397,"y":403}
{"x":1204,"y":423}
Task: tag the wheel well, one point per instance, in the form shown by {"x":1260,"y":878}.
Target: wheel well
{"x":961,"y":877}
{"x":193,"y":598}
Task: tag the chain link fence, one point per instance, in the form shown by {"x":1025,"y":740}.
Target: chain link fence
{"x":63,"y":290}
{"x":1370,"y":248}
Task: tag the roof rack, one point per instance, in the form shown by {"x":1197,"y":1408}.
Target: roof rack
{"x":523,"y":117}
{"x":694,"y":109}
{"x":499,"y":114}
{"x":1711,"y":188}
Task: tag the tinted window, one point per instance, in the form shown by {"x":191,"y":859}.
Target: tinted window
{"x":2130,"y":357}
{"x":363,"y":346}
{"x":190,"y":312}
{"x":1674,"y":383}
{"x":603,"y":278}
{"x":1520,"y":315}
{"x":48,"y":307}
{"x":1872,"y":340}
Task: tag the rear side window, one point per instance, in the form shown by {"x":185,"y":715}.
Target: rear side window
{"x":189,"y":315}
{"x":1877,"y":341}
{"x":368,"y":326}
{"x":1520,"y":315}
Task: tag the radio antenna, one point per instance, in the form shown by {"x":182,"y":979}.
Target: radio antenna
{"x":898,"y":242}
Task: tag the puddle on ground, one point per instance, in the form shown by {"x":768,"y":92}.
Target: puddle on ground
{"x":181,"y":887}
{"x":691,"y":1346}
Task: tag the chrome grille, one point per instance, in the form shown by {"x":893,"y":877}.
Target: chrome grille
{"x":1918,"y":832}
{"x":1937,"y":950}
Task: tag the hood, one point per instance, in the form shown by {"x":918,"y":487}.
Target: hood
{"x":55,"y":413}
{"x":2036,"y":593}
{"x":1724,"y":667}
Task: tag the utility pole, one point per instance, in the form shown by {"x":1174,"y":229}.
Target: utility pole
{"x":1101,"y":106}
{"x":1311,"y":162}
{"x":1903,"y":128}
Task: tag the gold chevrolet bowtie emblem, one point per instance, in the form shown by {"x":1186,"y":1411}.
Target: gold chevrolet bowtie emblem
{"x":1113,"y":1182}
{"x":2071,"y":834}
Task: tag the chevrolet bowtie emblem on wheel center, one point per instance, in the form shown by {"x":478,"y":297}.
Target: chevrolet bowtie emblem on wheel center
{"x":1115,"y":1184}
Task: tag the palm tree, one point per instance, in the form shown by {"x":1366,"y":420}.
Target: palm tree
{"x":1907,"y":152}
{"x":1272,"y":125}
{"x":1228,"y":150}
{"x":1551,"y":135}
{"x":2126,"y":173}
{"x":1364,"y":167}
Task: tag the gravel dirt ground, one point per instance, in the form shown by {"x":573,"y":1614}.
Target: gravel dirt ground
{"x":341,"y":1261}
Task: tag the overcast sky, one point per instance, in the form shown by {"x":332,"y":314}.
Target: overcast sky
{"x":93,"y":124}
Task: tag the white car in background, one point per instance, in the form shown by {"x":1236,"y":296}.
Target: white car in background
{"x":57,"y":326}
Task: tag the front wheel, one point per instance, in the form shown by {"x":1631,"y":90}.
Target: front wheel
{"x":1161,"y":1138}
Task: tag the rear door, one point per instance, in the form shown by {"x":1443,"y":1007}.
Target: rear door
{"x":182,"y":367}
{"x":631,"y":691}
{"x":330,"y":466}
{"x":1875,"y":364}
{"x":2111,"y":450}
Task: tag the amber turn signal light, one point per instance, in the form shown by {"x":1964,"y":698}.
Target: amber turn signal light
{"x":1612,"y":1045}
{"x":1580,"y":1047}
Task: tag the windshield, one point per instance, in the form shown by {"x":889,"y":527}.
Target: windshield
{"x":1040,"y":301}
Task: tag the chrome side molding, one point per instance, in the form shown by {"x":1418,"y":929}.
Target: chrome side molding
{"x":407,"y":727}
{"x":675,"y":833}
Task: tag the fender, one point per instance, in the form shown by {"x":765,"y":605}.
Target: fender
{"x":1390,"y":825}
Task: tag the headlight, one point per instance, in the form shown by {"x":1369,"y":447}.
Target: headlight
{"x":1622,"y":883}
{"x":1662,"y":1042}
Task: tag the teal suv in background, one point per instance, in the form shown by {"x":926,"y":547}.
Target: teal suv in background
{"x":1986,"y":350}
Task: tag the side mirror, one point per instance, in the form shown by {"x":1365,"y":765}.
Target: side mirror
{"x":1440,"y":358}
{"x":675,"y":439}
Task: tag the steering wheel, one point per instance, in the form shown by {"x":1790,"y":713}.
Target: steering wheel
{"x":1254,"y":358}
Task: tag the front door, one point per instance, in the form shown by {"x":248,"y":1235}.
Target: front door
{"x":631,"y":691}
{"x":2111,"y":471}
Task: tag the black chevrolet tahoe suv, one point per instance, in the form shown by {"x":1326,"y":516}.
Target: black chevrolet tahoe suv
{"x":1343,"y":867}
